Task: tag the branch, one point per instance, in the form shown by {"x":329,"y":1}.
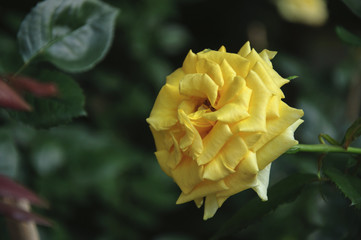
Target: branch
{"x":323,"y":148}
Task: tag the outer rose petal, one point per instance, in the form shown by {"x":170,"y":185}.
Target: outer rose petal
{"x":245,"y":50}
{"x":162,"y":139}
{"x":267,"y":80}
{"x":267,"y":55}
{"x":275,"y":127}
{"x":262,"y":182}
{"x":273,"y":107}
{"x":254,"y":58}
{"x":277,"y":146}
{"x":210,"y":206}
{"x":189,"y":64}
{"x":187,"y":174}
{"x":162,"y":157}
{"x":245,"y":177}
{"x":164,"y":112}
{"x":173,"y":78}
{"x":203,"y":189}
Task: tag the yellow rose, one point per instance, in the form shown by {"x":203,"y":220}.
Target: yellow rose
{"x":311,"y":12}
{"x":219,"y":122}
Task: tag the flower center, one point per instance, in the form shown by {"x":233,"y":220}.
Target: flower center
{"x":208,"y":104}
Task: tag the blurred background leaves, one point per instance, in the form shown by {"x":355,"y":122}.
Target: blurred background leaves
{"x":99,"y":173}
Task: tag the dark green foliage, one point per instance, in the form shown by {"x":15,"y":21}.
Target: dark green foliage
{"x":354,"y":6}
{"x":57,"y":110}
{"x":282,"y":192}
{"x":352,"y":133}
{"x":348,"y":37}
{"x":350,"y":185}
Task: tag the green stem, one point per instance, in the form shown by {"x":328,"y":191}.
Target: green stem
{"x":22,"y":68}
{"x":323,"y":148}
{"x":37,"y":54}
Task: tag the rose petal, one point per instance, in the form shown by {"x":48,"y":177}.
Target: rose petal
{"x":213,"y":142}
{"x":231,"y":112}
{"x":262,"y":182}
{"x":250,"y":138}
{"x":191,"y":141}
{"x":239,"y":64}
{"x":277,"y":146}
{"x":199,"y":85}
{"x":188,"y":106}
{"x":234,"y":111}
{"x":234,"y":88}
{"x":203,"y":125}
{"x":162,"y":157}
{"x":273,"y":107}
{"x":199,"y":202}
{"x":216,"y":170}
{"x":275,"y":127}
{"x":189,"y":64}
{"x":162,"y":139}
{"x":267,"y":56}
{"x":245,"y":49}
{"x":164,"y":113}
{"x":210,"y":206}
{"x":257,"y":107}
{"x":267,"y":80}
{"x":175,"y":154}
{"x":222,"y":49}
{"x":212,"y":69}
{"x":226,"y":160}
{"x":173,"y":78}
{"x":254,"y":57}
{"x":187,"y":174}
{"x":245,"y":177}
{"x":203,"y":189}
{"x":228,"y":74}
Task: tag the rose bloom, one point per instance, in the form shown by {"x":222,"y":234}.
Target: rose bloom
{"x":219,"y":122}
{"x":311,"y":12}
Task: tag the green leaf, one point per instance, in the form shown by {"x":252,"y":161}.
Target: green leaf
{"x":72,"y":34}
{"x":354,"y":6}
{"x":284,"y":191}
{"x":348,"y":37}
{"x":349,"y":185}
{"x":48,"y":112}
{"x":291,"y":77}
{"x":352,"y":133}
{"x":328,"y":138}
